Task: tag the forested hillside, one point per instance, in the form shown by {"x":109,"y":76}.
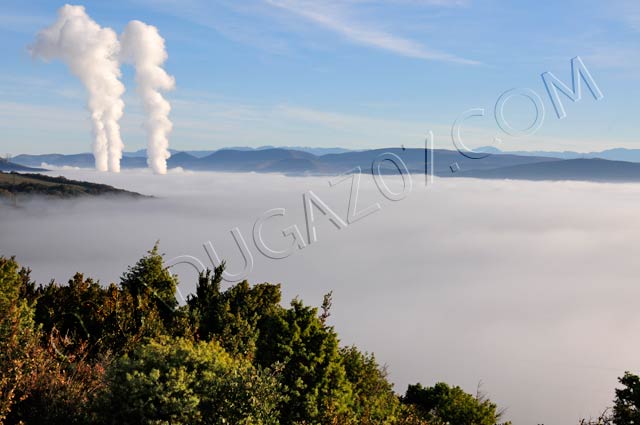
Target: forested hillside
{"x":24,"y":185}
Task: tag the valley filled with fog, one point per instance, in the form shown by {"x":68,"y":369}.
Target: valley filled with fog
{"x":527,"y":287}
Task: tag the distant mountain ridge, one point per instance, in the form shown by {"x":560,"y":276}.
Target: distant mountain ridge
{"x":442,"y":162}
{"x":6,"y":165}
{"x":579,"y":169}
{"x":142,"y":153}
{"x":293,"y":161}
{"x":615,"y":154}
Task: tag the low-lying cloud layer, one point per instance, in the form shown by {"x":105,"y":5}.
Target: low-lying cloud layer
{"x":528,"y":287}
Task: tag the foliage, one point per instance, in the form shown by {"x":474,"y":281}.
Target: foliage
{"x":86,"y":353}
{"x":79,"y":310}
{"x":62,"y":387}
{"x":112,"y":319}
{"x":234,"y":316}
{"x":22,"y":184}
{"x":626,"y":408}
{"x":18,"y":336}
{"x":442,"y":403}
{"x":181,"y":382}
{"x":605,"y":418}
{"x":373,"y":400}
{"x":314,"y":378}
{"x":153,"y":290}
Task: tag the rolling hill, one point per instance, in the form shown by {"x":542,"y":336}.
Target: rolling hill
{"x":298,"y":162}
{"x":14,"y":185}
{"x":582,"y":169}
{"x":615,"y":154}
{"x":6,"y":165}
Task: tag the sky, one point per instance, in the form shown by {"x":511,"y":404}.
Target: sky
{"x":350,"y":73}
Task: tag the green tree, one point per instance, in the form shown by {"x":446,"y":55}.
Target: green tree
{"x":314,"y":378}
{"x":233,"y":317}
{"x":180,"y":382}
{"x":45,"y":377}
{"x":152,"y":290}
{"x":79,"y":310}
{"x":228,"y":356}
{"x":442,"y":403}
{"x":61,"y":388}
{"x":626,"y":407}
{"x":373,"y":400}
{"x":111,"y":320}
{"x":19,"y":336}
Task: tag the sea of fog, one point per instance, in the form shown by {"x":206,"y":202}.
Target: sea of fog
{"x":529,"y":288}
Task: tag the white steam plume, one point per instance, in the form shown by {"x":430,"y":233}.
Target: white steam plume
{"x":143,"y":47}
{"x":91,"y":53}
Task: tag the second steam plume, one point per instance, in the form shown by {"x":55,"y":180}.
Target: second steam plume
{"x":144,"y":48}
{"x":93,"y":54}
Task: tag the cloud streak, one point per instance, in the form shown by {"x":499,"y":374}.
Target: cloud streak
{"x":330,"y":18}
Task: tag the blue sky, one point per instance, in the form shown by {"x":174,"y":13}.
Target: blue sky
{"x":350,"y":73}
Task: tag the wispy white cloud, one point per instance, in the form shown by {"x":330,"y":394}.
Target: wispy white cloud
{"x":241,"y":22}
{"x":441,"y":3}
{"x":252,"y":23}
{"x":632,"y":14}
{"x":613,"y":56}
{"x":331,"y":17}
{"x":625,"y":11}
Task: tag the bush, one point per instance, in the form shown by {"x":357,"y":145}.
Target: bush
{"x":180,"y":382}
{"x":444,"y":404}
{"x":84,"y":353}
{"x":626,"y":408}
{"x":373,"y":400}
{"x":314,"y":379}
{"x":18,"y":336}
{"x":62,"y":386}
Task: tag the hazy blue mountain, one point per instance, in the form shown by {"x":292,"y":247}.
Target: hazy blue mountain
{"x":6,"y":165}
{"x":81,"y":160}
{"x":616,"y":154}
{"x":444,"y":163}
{"x":142,"y":153}
{"x":298,"y":162}
{"x":583,"y":169}
{"x":620,"y":154}
{"x":265,"y":160}
{"x":551,"y":154}
{"x":51,"y":159}
{"x":315,"y":151}
{"x":443,"y":160}
{"x":182,"y":159}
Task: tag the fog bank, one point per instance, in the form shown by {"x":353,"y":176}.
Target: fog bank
{"x":529,"y":287}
